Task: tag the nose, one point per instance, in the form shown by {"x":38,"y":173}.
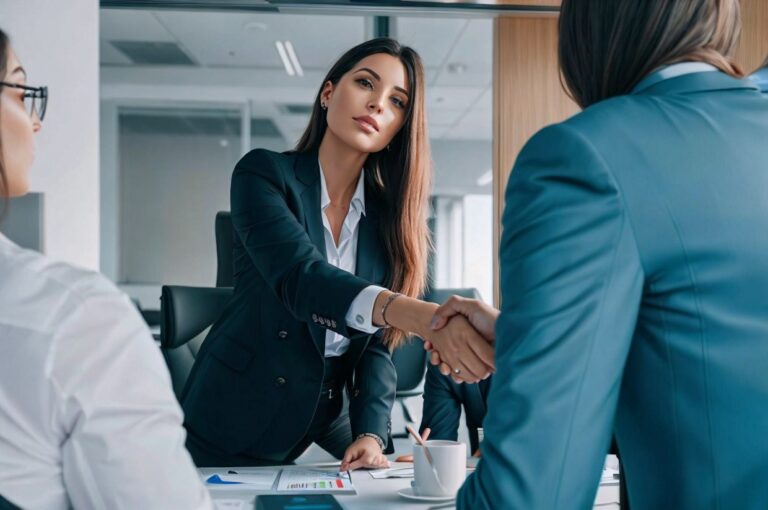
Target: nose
{"x":376,"y":104}
{"x":36,"y":124}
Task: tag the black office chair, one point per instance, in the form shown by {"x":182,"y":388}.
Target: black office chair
{"x":410,"y":359}
{"x":224,"y":233}
{"x":186,"y":315}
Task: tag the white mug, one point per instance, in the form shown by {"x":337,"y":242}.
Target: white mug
{"x":450,"y":461}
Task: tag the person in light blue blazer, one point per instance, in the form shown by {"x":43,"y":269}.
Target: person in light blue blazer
{"x":634,"y":274}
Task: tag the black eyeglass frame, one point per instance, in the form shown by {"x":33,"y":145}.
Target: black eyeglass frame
{"x":35,"y":93}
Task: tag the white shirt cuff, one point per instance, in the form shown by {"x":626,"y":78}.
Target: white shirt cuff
{"x":360,"y":313}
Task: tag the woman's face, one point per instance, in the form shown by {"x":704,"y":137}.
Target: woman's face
{"x":367,"y":107}
{"x":17,"y":130}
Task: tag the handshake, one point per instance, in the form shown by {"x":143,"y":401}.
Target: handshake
{"x":461,"y":339}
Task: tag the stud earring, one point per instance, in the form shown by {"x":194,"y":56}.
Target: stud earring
{"x":323,"y":106}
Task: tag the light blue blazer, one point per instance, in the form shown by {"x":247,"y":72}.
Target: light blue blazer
{"x":634,"y":279}
{"x":760,"y":77}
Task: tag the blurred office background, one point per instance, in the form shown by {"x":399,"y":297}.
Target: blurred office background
{"x":184,"y":94}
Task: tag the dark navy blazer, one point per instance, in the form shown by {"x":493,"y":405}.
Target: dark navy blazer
{"x":443,"y":400}
{"x":257,"y":379}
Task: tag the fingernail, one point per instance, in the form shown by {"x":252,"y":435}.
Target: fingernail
{"x":433,"y":324}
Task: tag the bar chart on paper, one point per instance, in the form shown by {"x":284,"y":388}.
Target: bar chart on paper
{"x":308,"y":481}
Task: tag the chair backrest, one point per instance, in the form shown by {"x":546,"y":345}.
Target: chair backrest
{"x":186,"y":315}
{"x":410,"y":359}
{"x":224,"y":233}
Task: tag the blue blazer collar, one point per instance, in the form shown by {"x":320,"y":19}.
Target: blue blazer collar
{"x":693,"y":82}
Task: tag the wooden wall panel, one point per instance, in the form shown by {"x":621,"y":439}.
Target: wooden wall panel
{"x":753,"y":47}
{"x":527,"y":96}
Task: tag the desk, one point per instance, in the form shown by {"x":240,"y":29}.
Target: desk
{"x":375,"y":494}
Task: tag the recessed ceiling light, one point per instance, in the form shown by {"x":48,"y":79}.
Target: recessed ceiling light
{"x":284,"y":57}
{"x":294,"y":58}
{"x":457,"y":68}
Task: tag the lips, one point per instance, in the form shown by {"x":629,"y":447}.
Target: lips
{"x":368,"y":123}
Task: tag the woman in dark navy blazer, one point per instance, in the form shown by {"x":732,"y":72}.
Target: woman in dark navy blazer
{"x":321,"y":233}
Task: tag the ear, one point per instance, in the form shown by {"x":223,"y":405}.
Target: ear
{"x":327,"y":92}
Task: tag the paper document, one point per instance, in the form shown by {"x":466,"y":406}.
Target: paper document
{"x":403,"y":472}
{"x":229,"y":504}
{"x":610,"y":476}
{"x":260,"y":480}
{"x":308,"y":481}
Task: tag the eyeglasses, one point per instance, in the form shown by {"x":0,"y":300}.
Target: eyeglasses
{"x":35,"y":98}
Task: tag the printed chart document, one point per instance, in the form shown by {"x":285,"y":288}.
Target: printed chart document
{"x":281,"y":481}
{"x":313,"y":481}
{"x":256,"y":479}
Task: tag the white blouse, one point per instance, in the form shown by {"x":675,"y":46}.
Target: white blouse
{"x":87,"y":415}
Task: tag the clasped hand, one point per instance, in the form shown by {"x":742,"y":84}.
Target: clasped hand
{"x":462,"y":339}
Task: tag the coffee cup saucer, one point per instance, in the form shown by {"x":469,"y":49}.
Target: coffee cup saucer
{"x":409,"y":493}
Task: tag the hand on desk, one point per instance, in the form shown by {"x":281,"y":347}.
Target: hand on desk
{"x":363,"y":453}
{"x":482,"y":318}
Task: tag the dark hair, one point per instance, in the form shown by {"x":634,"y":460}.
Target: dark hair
{"x":401,"y":174}
{"x":4,"y":45}
{"x":608,"y":46}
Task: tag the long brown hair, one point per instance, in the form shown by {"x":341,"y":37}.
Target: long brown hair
{"x":608,"y":46}
{"x":400,"y":175}
{"x":4,"y":45}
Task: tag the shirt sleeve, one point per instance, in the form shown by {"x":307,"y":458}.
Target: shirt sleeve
{"x":360,"y":313}
{"x":124,"y":440}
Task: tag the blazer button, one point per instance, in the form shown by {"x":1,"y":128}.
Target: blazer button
{"x":356,"y":393}
{"x":283,"y":334}
{"x":280,"y":381}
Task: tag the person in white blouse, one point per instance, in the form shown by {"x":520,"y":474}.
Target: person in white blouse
{"x":87,"y":415}
{"x":320,"y":235}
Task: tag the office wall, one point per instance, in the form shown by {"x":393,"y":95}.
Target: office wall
{"x":170,"y":188}
{"x":57,"y":43}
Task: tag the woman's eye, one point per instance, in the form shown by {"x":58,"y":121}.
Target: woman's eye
{"x":398,"y":102}
{"x":365,"y":83}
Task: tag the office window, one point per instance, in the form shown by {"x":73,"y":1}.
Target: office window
{"x":457,"y":55}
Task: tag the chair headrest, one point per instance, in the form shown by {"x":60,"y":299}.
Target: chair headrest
{"x":187,"y":311}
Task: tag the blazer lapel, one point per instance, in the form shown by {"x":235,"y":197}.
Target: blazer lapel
{"x":308,"y":173}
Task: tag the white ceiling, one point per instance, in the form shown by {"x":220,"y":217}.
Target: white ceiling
{"x":237,"y":62}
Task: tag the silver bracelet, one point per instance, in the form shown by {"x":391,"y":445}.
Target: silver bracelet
{"x":374,"y":436}
{"x":391,"y":298}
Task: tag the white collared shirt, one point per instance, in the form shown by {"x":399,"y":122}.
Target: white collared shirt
{"x":87,"y":416}
{"x":344,"y":256}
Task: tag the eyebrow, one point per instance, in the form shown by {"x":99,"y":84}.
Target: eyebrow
{"x":376,"y":75}
{"x":21,"y":70}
